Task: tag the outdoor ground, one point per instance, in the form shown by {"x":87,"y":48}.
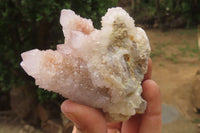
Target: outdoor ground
{"x":176,"y":60}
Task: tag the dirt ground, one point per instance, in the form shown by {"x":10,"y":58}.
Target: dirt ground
{"x":175,"y":63}
{"x":176,"y":60}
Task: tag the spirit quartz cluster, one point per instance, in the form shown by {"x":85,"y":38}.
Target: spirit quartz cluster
{"x":99,"y":68}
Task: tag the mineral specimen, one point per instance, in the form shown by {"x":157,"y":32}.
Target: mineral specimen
{"x":99,"y":68}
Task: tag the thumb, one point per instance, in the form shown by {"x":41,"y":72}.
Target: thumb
{"x":151,"y":119}
{"x":86,"y":119}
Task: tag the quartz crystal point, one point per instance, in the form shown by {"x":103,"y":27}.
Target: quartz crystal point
{"x":99,"y":68}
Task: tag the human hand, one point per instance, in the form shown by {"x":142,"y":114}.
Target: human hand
{"x":90,"y":120}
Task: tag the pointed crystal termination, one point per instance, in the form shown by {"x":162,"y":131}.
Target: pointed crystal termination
{"x":99,"y":68}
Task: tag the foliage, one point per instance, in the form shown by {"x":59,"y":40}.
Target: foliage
{"x":28,"y":24}
{"x":188,"y":9}
{"x":93,"y":9}
{"x":166,"y":10}
{"x":44,"y":95}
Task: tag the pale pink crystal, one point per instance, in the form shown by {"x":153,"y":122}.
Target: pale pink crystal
{"x":99,"y":68}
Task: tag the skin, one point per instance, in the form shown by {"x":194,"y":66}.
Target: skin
{"x":90,"y":120}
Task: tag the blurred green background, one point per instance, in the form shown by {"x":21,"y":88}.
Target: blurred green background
{"x":27,"y":24}
{"x":30,"y":24}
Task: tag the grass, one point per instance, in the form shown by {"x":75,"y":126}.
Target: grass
{"x":158,"y":34}
{"x":157,"y":54}
{"x":196,"y":120}
{"x":161,"y":64}
{"x":160,"y":49}
{"x":165,"y":33}
{"x":172,"y":57}
{"x":175,"y":49}
{"x":188,"y":50}
{"x":163,"y":44}
{"x":183,"y":51}
{"x":182,"y":32}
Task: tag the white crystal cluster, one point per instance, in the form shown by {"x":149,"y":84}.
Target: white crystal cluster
{"x":100,"y":68}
